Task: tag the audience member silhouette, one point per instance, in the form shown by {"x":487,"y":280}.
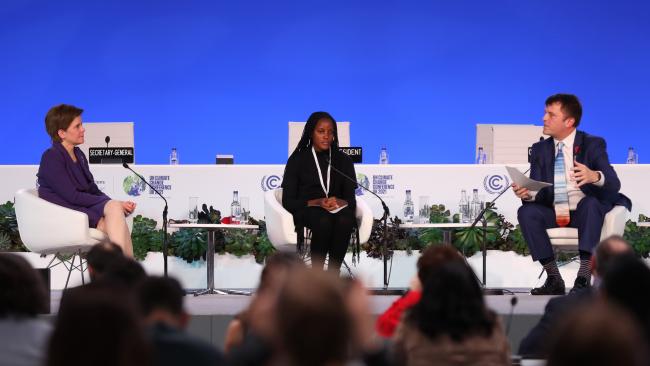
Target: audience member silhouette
{"x":161,"y":305}
{"x":23,"y":336}
{"x":451,"y":324}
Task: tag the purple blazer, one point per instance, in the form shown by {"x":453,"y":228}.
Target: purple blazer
{"x":69,"y":184}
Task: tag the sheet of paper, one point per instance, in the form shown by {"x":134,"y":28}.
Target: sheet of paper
{"x":521,"y":180}
{"x":338,"y":209}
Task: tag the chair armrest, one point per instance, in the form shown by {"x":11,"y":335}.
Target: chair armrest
{"x":614,"y":223}
{"x":279,"y":222}
{"x":44,"y":225}
{"x":365,"y":220}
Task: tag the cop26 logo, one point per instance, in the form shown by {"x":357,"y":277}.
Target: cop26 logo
{"x":362,"y":180}
{"x":270,"y":182}
{"x":133,"y":185}
{"x":495,"y":183}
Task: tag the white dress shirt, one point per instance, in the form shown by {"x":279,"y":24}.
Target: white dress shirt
{"x":575,"y":194}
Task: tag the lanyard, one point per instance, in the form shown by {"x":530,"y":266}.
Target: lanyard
{"x":320,"y":173}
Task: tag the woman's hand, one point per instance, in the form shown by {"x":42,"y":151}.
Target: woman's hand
{"x":128,"y":207}
{"x":330,"y":204}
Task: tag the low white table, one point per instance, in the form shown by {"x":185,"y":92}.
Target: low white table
{"x":643,"y":224}
{"x":209,"y":256}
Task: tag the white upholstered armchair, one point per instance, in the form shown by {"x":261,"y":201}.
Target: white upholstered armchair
{"x":47,"y":228}
{"x":280,"y":227}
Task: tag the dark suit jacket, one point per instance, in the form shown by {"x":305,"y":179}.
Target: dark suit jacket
{"x":69,"y":184}
{"x":175,"y":347}
{"x":588,"y":150}
{"x":534,"y":344}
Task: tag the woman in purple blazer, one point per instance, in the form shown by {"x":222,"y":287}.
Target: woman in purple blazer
{"x":65,"y":179}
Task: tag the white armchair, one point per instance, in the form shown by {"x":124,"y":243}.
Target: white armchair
{"x":47,"y":228}
{"x":566,"y":238}
{"x":280,"y":227}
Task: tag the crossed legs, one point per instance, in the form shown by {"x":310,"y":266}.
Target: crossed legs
{"x":114,"y":225}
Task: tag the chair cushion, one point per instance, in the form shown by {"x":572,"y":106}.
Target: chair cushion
{"x":563,"y":233}
{"x":97,"y":235}
{"x":564,"y":242}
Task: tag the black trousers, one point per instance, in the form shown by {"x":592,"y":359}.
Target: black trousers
{"x":330,"y":235}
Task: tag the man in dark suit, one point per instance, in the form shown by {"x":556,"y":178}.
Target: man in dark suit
{"x":161,"y":304}
{"x":585,"y":187}
{"x":533,"y":345}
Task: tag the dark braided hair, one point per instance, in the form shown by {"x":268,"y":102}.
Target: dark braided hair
{"x":305,"y":140}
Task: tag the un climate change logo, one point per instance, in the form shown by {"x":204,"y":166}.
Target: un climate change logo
{"x":270,"y":182}
{"x":133,"y":185}
{"x":495,"y":183}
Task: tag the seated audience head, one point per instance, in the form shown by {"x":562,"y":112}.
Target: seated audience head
{"x":313,"y":322}
{"x":276,"y":266}
{"x":452,"y":304}
{"x":125,"y":272}
{"x":98,"y":326}
{"x":22,"y":291}
{"x":597,"y":335}
{"x":606,"y":251}
{"x":100,"y":257}
{"x":626,"y":283}
{"x":58,"y":120}
{"x":161,"y":301}
{"x":435,"y":256}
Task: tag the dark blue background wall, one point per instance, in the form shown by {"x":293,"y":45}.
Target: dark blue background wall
{"x":225,"y":76}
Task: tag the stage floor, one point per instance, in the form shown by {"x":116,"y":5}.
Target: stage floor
{"x":230,"y":305}
{"x":212,"y":313}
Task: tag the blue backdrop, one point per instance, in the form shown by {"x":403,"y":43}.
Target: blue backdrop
{"x":226,"y":76}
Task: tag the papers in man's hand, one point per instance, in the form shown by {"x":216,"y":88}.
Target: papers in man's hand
{"x":521,"y":180}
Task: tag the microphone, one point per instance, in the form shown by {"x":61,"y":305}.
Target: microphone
{"x":479,"y":217}
{"x":383,"y":204}
{"x":145,"y":181}
{"x":384,"y":218}
{"x":107,"y":140}
{"x":125,"y":165}
{"x":513,"y":303}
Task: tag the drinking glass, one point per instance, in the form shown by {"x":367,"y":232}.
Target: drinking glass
{"x":193,"y":210}
{"x":245,"y":209}
{"x":424,"y":209}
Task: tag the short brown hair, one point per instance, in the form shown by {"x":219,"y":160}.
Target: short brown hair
{"x":311,"y":313}
{"x":60,"y":117}
{"x":570,"y":105}
{"x":434,"y":256}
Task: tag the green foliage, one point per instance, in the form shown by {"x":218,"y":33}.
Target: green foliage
{"x":439,"y":214}
{"x":397,"y":239}
{"x":209,"y":216}
{"x":146,"y":238}
{"x":517,"y":242}
{"x":9,"y":235}
{"x":190,"y":244}
{"x":502,"y":235}
{"x":470,"y":240}
{"x":373,"y":247}
{"x":638,"y":237}
{"x":263,"y":246}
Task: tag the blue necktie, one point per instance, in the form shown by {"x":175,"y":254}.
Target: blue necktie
{"x":561,"y":201}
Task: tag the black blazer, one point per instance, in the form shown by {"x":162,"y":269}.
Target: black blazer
{"x":588,"y":150}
